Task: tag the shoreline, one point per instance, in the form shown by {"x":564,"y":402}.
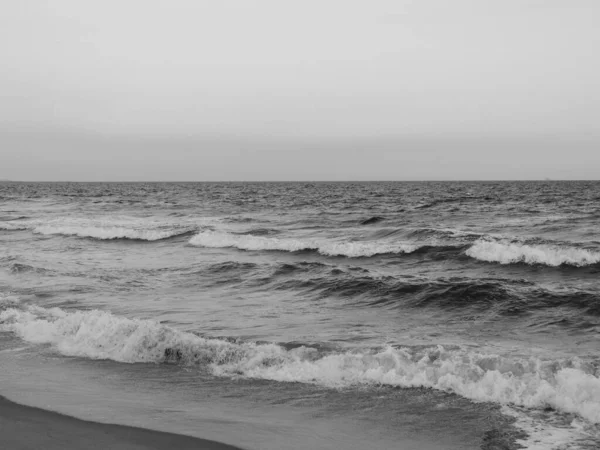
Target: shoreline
{"x":28,"y":428}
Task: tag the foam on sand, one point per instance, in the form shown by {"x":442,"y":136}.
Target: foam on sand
{"x":551,"y":431}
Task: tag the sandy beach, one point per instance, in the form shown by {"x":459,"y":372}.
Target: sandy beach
{"x":27,"y":428}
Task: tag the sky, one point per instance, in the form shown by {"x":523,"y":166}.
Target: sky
{"x":202,"y":90}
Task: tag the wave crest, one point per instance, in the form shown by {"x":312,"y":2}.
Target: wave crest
{"x":567,"y":385}
{"x":104,"y":228}
{"x":112,"y":232}
{"x":10,"y":226}
{"x":351,"y":249}
{"x":549,"y":255}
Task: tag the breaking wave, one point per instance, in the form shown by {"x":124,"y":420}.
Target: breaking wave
{"x":352,"y":249}
{"x":567,"y":385}
{"x":10,"y":226}
{"x":112,"y":232}
{"x":106,"y":228}
{"x":549,"y":255}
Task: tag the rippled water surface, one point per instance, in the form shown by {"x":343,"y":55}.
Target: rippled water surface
{"x":353,"y":313}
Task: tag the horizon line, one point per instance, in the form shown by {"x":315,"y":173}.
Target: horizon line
{"x":305,"y":181}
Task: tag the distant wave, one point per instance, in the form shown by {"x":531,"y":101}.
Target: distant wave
{"x":350,"y":249}
{"x":549,"y":255}
{"x":260,"y":232}
{"x":498,"y":296}
{"x":10,"y":226}
{"x":358,"y":287}
{"x":104,"y":228}
{"x":444,"y":233}
{"x":567,"y":385}
{"x":459,"y":199}
{"x":110,"y":232}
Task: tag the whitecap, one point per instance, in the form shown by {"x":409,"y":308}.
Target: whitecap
{"x":106,"y":227}
{"x":549,"y":255}
{"x":328,"y":247}
{"x":110,"y":232}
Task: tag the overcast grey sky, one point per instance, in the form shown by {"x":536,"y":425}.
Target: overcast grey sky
{"x":276,"y":89}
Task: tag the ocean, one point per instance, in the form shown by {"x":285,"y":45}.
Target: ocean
{"x":380,"y":315}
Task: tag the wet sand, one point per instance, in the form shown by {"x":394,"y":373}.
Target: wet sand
{"x":27,"y":428}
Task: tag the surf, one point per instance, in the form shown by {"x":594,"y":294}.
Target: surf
{"x":568,"y":385}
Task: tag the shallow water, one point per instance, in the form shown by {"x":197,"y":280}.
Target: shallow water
{"x":448,"y":315}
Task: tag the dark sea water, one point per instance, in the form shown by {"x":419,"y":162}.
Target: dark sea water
{"x":459,"y":315}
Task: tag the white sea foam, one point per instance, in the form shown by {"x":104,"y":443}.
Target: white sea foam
{"x":352,"y":249}
{"x":551,"y":432}
{"x":549,"y":255}
{"x":104,"y":227}
{"x":565,"y":385}
{"x":8,"y":300}
{"x":110,"y":232}
{"x":11,"y":226}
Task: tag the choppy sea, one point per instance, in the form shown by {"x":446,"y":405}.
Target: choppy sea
{"x":450,"y":315}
